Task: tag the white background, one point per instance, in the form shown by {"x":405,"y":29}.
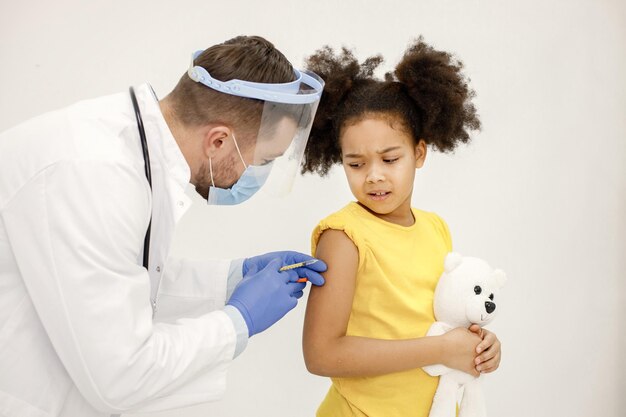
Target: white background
{"x":541,"y":192}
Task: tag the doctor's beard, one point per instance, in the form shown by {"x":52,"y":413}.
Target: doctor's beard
{"x":224,"y":175}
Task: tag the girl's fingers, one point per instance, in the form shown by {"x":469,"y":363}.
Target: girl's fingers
{"x":474,"y":328}
{"x":488,"y":340}
{"x":489,"y":366}
{"x":485,"y":356}
{"x":489,"y":351}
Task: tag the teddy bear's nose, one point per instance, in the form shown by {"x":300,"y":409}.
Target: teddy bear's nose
{"x":490,"y":307}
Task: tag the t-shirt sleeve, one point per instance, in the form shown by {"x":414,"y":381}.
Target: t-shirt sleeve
{"x":337,"y":221}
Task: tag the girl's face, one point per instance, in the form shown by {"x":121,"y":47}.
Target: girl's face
{"x":380,"y":163}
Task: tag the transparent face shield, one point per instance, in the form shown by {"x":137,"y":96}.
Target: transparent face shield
{"x":281,"y":142}
{"x":277,"y":149}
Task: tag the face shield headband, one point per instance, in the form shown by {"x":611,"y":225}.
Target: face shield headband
{"x":285,"y":93}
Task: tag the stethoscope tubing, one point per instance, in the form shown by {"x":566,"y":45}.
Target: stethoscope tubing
{"x":148,"y":171}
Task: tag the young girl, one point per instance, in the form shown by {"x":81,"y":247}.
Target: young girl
{"x":365,"y":327}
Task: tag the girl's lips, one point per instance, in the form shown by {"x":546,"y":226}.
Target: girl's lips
{"x":379,"y":195}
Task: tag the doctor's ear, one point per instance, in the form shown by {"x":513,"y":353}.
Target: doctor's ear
{"x":213,"y":139}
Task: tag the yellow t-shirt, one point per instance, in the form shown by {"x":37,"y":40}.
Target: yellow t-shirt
{"x":397,"y":273}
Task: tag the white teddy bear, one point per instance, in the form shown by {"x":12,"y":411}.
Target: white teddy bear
{"x":466,"y":294}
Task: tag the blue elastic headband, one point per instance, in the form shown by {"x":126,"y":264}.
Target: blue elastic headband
{"x":287,"y":93}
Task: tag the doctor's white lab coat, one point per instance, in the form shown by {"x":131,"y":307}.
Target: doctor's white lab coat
{"x":77,"y":334}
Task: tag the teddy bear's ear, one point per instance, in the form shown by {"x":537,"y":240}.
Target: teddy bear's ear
{"x":453,"y":260}
{"x":500,"y":277}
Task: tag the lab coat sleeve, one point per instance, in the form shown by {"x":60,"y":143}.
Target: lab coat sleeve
{"x":76,"y":230}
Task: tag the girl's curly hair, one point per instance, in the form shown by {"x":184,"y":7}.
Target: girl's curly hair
{"x":427,"y":93}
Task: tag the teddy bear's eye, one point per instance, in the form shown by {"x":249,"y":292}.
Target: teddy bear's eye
{"x":491,"y":297}
{"x":478,"y":290}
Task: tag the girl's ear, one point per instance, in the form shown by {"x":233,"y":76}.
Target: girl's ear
{"x":420,"y":153}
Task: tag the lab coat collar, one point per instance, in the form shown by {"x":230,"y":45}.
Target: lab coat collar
{"x":175,"y":162}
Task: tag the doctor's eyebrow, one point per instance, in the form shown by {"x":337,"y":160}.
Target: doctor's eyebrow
{"x":358,"y":155}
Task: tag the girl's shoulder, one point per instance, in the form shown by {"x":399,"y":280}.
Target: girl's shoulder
{"x":436,"y":222}
{"x":352,"y":215}
{"x":346,"y":220}
{"x":428,"y":216}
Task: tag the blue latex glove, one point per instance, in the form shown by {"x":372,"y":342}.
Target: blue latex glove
{"x":264,"y":297}
{"x":310,"y":272}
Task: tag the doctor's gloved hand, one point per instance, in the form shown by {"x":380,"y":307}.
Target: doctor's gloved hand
{"x":263,"y":297}
{"x":310,"y":272}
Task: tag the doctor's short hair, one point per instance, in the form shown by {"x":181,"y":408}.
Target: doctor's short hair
{"x":249,"y":58}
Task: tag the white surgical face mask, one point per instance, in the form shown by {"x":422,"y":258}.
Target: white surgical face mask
{"x":247,"y":185}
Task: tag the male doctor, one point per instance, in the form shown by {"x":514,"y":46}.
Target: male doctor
{"x":95,"y":318}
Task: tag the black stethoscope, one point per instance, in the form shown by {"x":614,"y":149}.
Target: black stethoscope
{"x":146,"y":160}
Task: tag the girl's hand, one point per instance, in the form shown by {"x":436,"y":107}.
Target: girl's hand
{"x":460,"y":350}
{"x":489,"y":354}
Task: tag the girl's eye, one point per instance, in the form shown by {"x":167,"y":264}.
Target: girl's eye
{"x":390,"y":160}
{"x":355,"y":164}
